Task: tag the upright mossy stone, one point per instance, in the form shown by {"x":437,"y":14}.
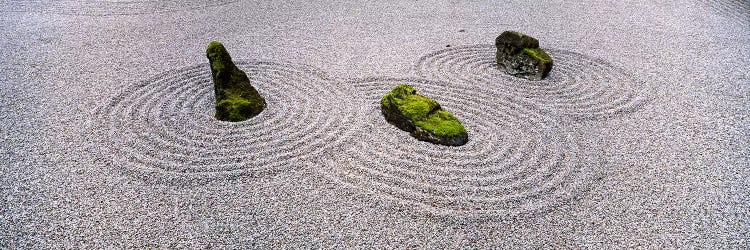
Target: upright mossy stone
{"x":236,"y":99}
{"x":422,"y":117}
{"x":520,"y":55}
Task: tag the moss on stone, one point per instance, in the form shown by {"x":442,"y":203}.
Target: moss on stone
{"x":539,"y":54}
{"x":422,"y":111}
{"x":442,"y":123}
{"x":220,"y":59}
{"x":517,"y":39}
{"x":404,"y":98}
{"x":233,"y":109}
{"x":236,"y":99}
{"x":519,"y":55}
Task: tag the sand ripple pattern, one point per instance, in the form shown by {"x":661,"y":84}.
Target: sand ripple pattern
{"x":163,"y":129}
{"x":107,"y":7}
{"x":578,"y":86}
{"x":738,"y":10}
{"x":516,"y":162}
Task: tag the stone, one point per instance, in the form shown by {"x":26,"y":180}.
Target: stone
{"x":422,"y":117}
{"x":519,"y":55}
{"x":236,"y":99}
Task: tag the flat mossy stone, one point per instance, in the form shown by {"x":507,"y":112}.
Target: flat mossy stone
{"x":236,"y":99}
{"x":541,"y":61}
{"x":422,"y":117}
{"x":538,"y":54}
{"x":519,"y":55}
{"x":516,"y":39}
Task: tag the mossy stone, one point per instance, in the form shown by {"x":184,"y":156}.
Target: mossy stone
{"x":422,"y":117}
{"x":519,"y":54}
{"x":516,"y":39}
{"x":236,"y":99}
{"x":538,"y":54}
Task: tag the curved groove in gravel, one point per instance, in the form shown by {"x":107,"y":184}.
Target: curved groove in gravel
{"x":111,"y":7}
{"x":737,"y":10}
{"x":578,"y":86}
{"x":163,"y":129}
{"x":516,"y":161}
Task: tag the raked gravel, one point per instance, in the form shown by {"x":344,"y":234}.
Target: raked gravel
{"x":638,"y":138}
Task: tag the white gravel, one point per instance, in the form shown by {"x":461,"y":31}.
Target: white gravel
{"x":638,"y":138}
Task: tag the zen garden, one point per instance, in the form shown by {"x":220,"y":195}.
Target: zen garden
{"x":242,"y":124}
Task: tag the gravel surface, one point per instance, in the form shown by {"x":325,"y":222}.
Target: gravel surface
{"x":638,"y":138}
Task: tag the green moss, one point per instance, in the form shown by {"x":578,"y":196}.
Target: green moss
{"x":236,"y":99}
{"x":399,"y":92}
{"x":442,"y":123}
{"x":422,"y":111}
{"x":517,"y":39}
{"x":414,"y":107}
{"x":244,"y":92}
{"x":233,"y":109}
{"x":219,"y":57}
{"x":539,"y":54}
{"x":417,"y":107}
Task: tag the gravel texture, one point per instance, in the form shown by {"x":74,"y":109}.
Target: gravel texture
{"x":639,"y":137}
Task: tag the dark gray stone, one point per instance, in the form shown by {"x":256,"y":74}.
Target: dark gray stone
{"x":422,"y":117}
{"x":519,"y":55}
{"x":236,"y":99}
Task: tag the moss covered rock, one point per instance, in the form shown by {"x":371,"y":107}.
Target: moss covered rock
{"x":520,"y":55}
{"x":236,"y":99}
{"x":422,"y":117}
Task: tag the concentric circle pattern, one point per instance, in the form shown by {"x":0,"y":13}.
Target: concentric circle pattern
{"x":107,"y":7}
{"x":578,"y":86}
{"x":738,"y":10}
{"x":163,"y":128}
{"x":516,"y":161}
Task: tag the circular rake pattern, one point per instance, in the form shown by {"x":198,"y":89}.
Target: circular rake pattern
{"x":163,"y":129}
{"x":107,"y":7}
{"x":578,"y":86}
{"x":516,"y":161}
{"x":738,"y":10}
